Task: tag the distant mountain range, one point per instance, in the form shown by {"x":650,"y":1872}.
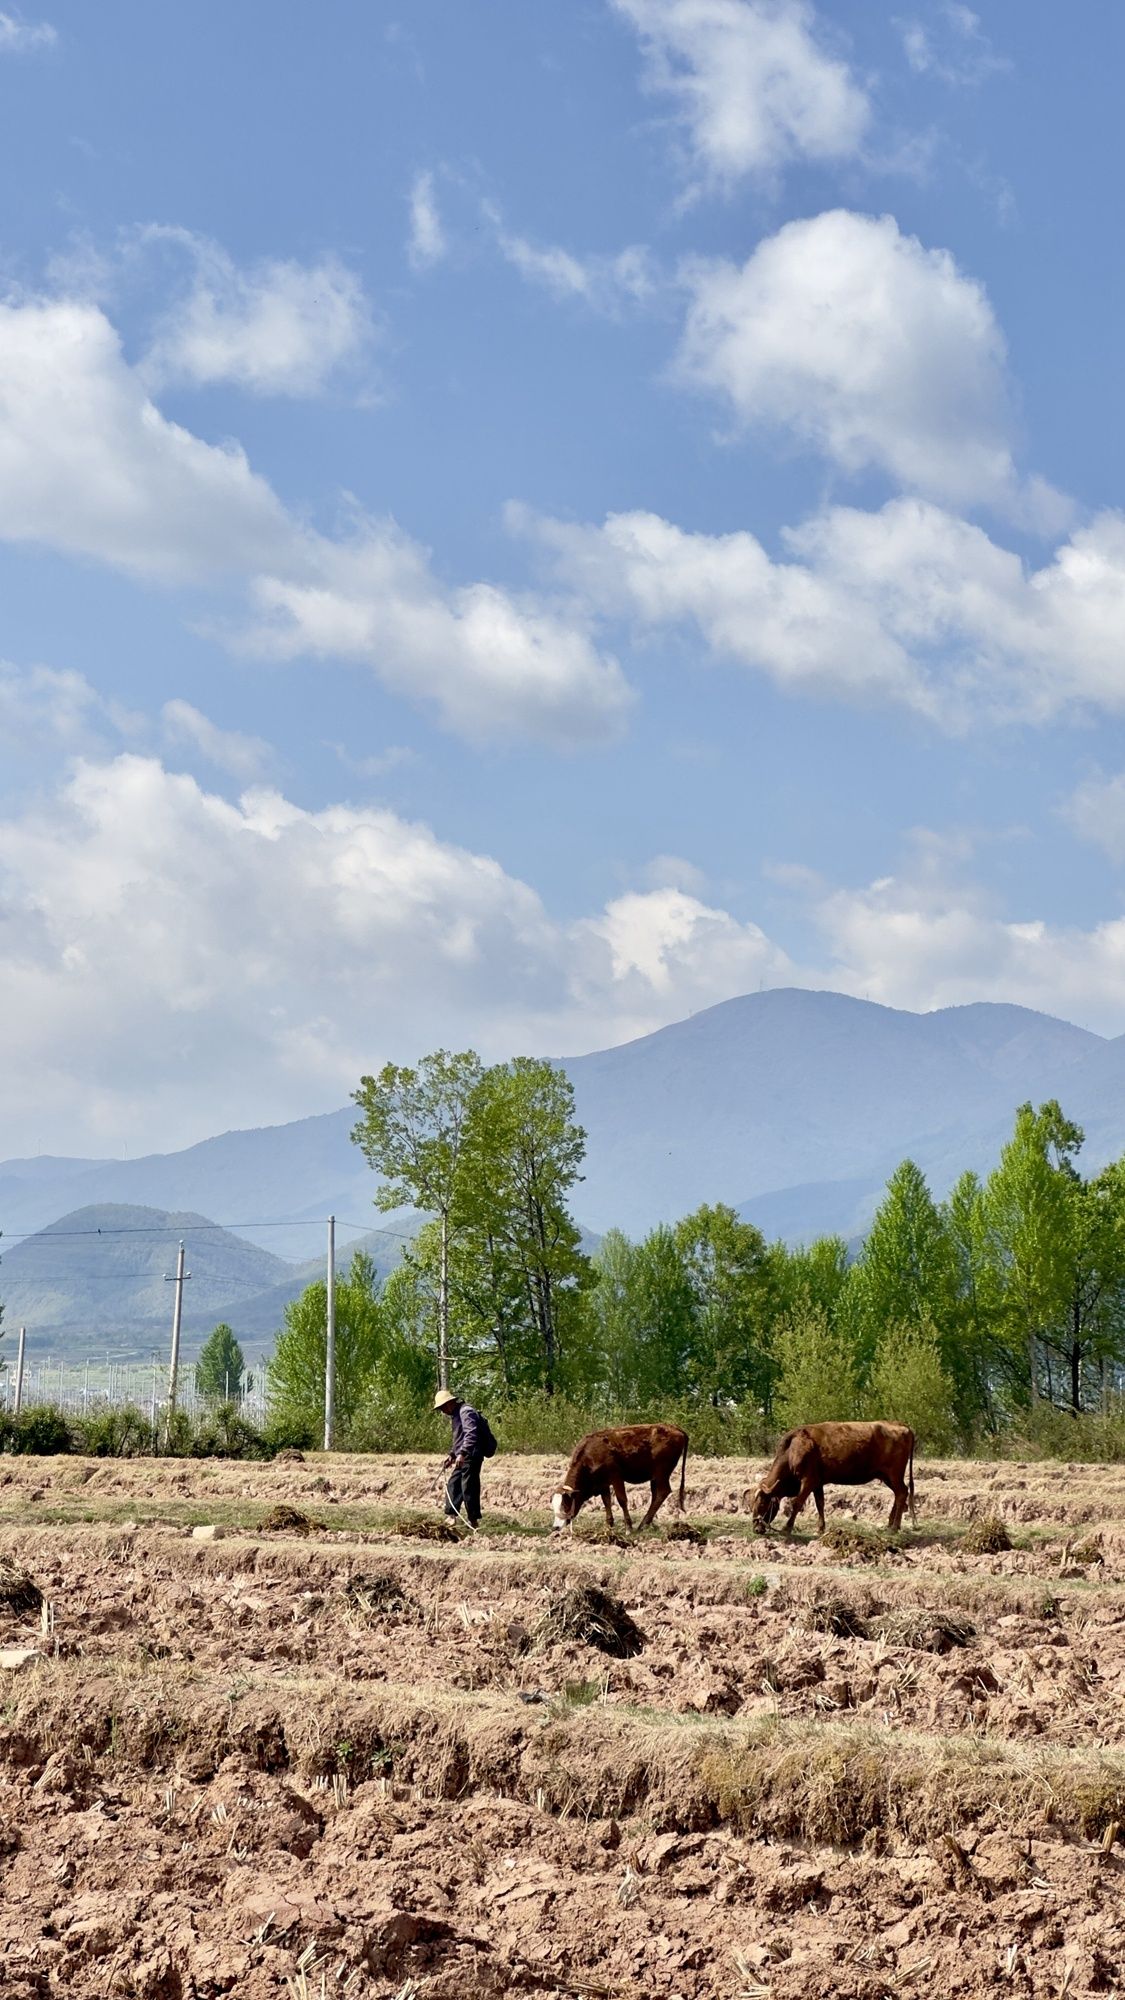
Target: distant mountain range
{"x":793,"y":1106}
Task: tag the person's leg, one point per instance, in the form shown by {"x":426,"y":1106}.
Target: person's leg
{"x":470,"y":1491}
{"x":454,"y":1490}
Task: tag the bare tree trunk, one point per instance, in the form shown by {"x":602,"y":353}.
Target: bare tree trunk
{"x":443,"y":1306}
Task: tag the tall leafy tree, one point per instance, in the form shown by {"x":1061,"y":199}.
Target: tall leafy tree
{"x":907,"y":1267}
{"x":411,"y":1129}
{"x":522,"y":1155}
{"x":730,"y":1275}
{"x":221,"y":1366}
{"x":296,"y":1369}
{"x":1092,"y":1332}
{"x":1029,"y":1202}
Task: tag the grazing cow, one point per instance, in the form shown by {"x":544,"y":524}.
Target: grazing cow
{"x":820,"y":1455}
{"x":606,"y":1460}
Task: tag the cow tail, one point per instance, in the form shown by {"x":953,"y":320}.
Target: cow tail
{"x":913,"y":1515}
{"x":683,"y":1474}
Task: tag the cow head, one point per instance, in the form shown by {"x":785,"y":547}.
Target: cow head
{"x":766,"y":1505}
{"x":564,"y":1506}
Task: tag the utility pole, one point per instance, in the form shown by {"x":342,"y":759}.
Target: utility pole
{"x":19,"y":1370}
{"x":330,"y":1344}
{"x":177,"y":1315}
{"x":443,"y":1306}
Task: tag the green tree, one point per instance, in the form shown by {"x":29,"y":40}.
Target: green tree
{"x":296,"y":1369}
{"x":1029,"y":1205}
{"x":221,"y":1365}
{"x":611,"y":1312}
{"x":729,"y":1271}
{"x":907,"y":1268}
{"x":522,"y":1258}
{"x":818,"y":1375}
{"x":816,"y":1271}
{"x":909,"y":1385}
{"x":1093,"y":1327}
{"x":411,"y":1130}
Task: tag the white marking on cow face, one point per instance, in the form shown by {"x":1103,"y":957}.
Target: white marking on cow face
{"x":562,"y":1508}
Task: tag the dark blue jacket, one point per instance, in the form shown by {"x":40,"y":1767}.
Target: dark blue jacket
{"x":466,"y":1432}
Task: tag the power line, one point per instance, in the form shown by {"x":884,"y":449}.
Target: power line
{"x":195,"y":1229}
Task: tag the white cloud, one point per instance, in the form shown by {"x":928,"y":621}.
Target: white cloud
{"x":90,"y":466}
{"x":866,"y":347}
{"x":909,"y":604}
{"x":754,"y":85}
{"x":172,"y":963}
{"x":47,"y":706}
{"x":606,"y":282}
{"x":1096,"y":811}
{"x":228,"y":750}
{"x":277,"y":328}
{"x":355,"y":936}
{"x":959,"y":52}
{"x":427,"y":244}
{"x":19,"y":37}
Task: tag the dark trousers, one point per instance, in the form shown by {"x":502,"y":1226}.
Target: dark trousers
{"x":462,"y":1489}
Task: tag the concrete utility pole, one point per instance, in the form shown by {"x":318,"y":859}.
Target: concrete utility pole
{"x":330,"y":1344}
{"x":21,"y":1351}
{"x":177,"y":1315}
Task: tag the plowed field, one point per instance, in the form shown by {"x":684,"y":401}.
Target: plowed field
{"x":340,"y":1754}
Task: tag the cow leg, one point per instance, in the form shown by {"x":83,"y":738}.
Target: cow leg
{"x":622,"y":1499}
{"x":818,"y":1496}
{"x":660,"y":1492}
{"x":608,"y":1508}
{"x":898,"y":1505}
{"x":796,"y":1504}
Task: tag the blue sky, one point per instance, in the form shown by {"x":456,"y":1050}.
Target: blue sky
{"x":519,"y":521}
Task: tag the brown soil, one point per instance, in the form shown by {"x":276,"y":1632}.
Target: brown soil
{"x":277,"y":1766}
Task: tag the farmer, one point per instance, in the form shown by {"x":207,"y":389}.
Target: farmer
{"x":469,"y":1447}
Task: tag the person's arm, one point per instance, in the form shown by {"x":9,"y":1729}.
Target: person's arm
{"x":469,"y":1443}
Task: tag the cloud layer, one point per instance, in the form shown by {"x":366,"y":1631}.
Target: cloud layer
{"x":753,"y":83}
{"x":89,"y":465}
{"x":171,"y":963}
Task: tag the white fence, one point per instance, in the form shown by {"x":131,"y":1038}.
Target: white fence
{"x":104,"y":1383}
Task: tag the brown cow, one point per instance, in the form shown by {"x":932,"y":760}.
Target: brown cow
{"x":820,"y":1455}
{"x":605,"y":1460}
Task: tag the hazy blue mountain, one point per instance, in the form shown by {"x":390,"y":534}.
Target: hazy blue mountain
{"x":98,"y":1277}
{"x":792,"y":1105}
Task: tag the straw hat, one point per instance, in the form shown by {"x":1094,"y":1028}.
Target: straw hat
{"x":444,"y":1398}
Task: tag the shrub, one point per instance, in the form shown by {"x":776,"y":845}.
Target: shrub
{"x":114,"y":1433}
{"x":41,"y":1431}
{"x":909,"y":1385}
{"x":225,"y":1433}
{"x":819,"y":1379}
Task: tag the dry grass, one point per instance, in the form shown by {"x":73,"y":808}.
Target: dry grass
{"x":377,"y":1593}
{"x":288,"y":1521}
{"x":854,"y":1541}
{"x":593,"y":1617}
{"x":986,"y":1536}
{"x":19,"y":1592}
{"x":419,"y":1527}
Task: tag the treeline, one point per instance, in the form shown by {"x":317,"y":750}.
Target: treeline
{"x":996,"y":1313}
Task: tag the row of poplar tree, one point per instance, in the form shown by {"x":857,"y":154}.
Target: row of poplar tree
{"x":957,"y":1316}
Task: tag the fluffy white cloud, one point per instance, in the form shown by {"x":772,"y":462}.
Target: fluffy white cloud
{"x":607,"y":283}
{"x":19,"y":37}
{"x":867,"y":347}
{"x":171,"y":962}
{"x":277,"y":328}
{"x":754,"y":85}
{"x":914,"y":945}
{"x":427,"y":244}
{"x":89,"y":465}
{"x":909,"y":604}
{"x":50,"y":707}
